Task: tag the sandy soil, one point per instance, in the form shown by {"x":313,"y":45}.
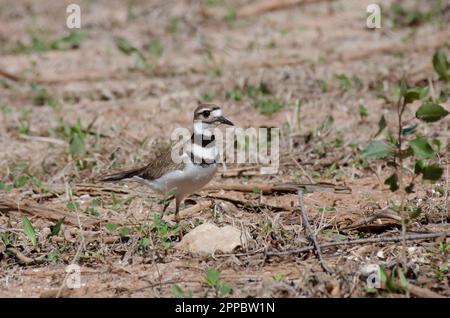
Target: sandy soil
{"x":206,"y":50}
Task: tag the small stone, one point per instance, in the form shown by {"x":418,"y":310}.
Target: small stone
{"x":209,"y":238}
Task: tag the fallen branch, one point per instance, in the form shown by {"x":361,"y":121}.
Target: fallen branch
{"x":268,"y":5}
{"x":311,"y":234}
{"x":282,"y":188}
{"x":10,"y":76}
{"x":411,"y":237}
{"x":421,"y":292}
{"x":7,"y":204}
{"x":387,"y":214}
{"x":25,"y":259}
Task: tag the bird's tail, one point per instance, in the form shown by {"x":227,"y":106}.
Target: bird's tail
{"x":121,"y":175}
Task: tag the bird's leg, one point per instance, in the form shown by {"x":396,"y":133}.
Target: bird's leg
{"x":177,"y":208}
{"x":166,"y":204}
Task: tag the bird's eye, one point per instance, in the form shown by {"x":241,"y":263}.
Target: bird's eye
{"x":206,"y":113}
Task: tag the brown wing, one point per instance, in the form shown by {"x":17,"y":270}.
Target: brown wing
{"x":161,"y":164}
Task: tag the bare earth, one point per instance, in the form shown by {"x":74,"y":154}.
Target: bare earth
{"x":208,"y":50}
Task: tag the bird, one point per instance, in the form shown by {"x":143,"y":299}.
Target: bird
{"x":198,"y":164}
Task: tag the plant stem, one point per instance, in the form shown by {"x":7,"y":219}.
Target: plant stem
{"x":400,"y":110}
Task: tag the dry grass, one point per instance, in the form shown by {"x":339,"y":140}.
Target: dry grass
{"x":125,"y":110}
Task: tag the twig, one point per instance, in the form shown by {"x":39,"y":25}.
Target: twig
{"x":25,"y":259}
{"x":266,"y":6}
{"x":311,"y":234}
{"x":411,"y":237}
{"x":385,"y":213}
{"x":30,"y":207}
{"x":421,"y":292}
{"x":44,"y":139}
{"x":282,"y":187}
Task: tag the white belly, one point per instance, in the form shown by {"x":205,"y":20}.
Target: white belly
{"x":186,"y":181}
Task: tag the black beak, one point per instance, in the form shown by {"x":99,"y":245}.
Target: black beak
{"x":225,"y":121}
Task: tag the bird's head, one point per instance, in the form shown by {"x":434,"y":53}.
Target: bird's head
{"x":210,"y":115}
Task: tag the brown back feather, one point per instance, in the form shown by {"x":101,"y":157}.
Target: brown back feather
{"x":160,"y":165}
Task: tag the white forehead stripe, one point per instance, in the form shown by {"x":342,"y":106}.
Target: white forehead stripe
{"x":217,"y":112}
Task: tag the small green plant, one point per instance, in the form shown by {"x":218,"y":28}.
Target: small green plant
{"x":172,"y":27}
{"x":5,"y":238}
{"x":324,"y":86}
{"x":260,"y":96}
{"x":56,"y":228}
{"x":29,"y":230}
{"x":441,"y":65}
{"x":24,"y":121}
{"x":403,"y":16}
{"x":143,"y":60}
{"x":76,"y":135}
{"x":39,"y":43}
{"x":42,"y":97}
{"x":163,"y":230}
{"x":92,"y":208}
{"x":362,"y":111}
{"x":180,"y":293}
{"x":345,"y":82}
{"x":213,"y":280}
{"x":267,"y":106}
{"x":404,"y":143}
{"x":230,"y":15}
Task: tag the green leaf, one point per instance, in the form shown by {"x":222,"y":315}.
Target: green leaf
{"x":56,"y":227}
{"x":403,"y":281}
{"x":111,"y":227}
{"x":178,"y":292}
{"x":421,"y":148}
{"x":432,"y":172}
{"x":411,"y":96}
{"x":392,"y":182}
{"x":418,"y":167}
{"x":441,"y":64}
{"x":409,"y":130}
{"x":414,"y":94}
{"x":212,"y":277}
{"x":362,"y":110}
{"x":267,"y":106}
{"x":224,"y":289}
{"x":21,"y":181}
{"x":5,"y":238}
{"x":377,"y":150}
{"x":381,"y":125}
{"x":125,"y":46}
{"x":29,"y":230}
{"x":431,"y":112}
{"x":76,"y":145}
{"x":124,"y":231}
{"x":71,"y":205}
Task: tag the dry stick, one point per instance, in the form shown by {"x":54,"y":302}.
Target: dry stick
{"x":385,"y":213}
{"x":400,"y":110}
{"x":412,"y":237}
{"x":420,"y":292}
{"x":30,"y":207}
{"x":25,"y":259}
{"x":267,"y":5}
{"x":311,"y":234}
{"x":282,"y":187}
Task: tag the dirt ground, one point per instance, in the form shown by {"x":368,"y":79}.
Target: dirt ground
{"x":74,"y":109}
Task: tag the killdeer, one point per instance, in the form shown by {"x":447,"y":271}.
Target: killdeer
{"x":198,"y":160}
